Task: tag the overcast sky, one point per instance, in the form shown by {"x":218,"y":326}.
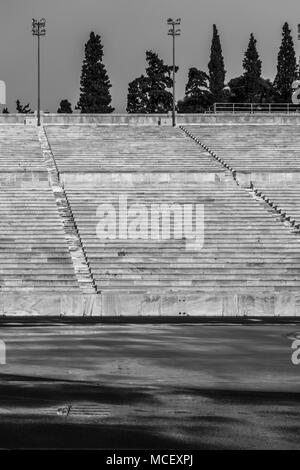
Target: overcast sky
{"x":128,"y":28}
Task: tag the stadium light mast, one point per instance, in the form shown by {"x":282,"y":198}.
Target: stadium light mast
{"x":39,"y":29}
{"x":174,"y":31}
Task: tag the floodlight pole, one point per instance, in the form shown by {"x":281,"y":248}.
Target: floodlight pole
{"x":174,"y":32}
{"x":39,"y":84}
{"x":39,"y":29}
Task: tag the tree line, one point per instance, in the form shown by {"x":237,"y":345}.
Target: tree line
{"x":152,"y":91}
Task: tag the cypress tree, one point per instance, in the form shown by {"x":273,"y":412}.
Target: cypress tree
{"x":94,"y":83}
{"x":216,"y":68}
{"x":252,"y":71}
{"x":251,"y":87}
{"x":286,"y":66}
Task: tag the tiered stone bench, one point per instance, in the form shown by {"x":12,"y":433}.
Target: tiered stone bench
{"x":20,"y":157}
{"x":263,"y":157}
{"x":249,"y":264}
{"x":36,"y":271}
{"x":37,"y":276}
{"x":104,"y":154}
{"x":34,"y":254}
{"x":261,"y":154}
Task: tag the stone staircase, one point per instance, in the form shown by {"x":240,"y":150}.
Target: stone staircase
{"x":263,"y":157}
{"x":37,"y":273}
{"x":261,"y":154}
{"x":73,"y":240}
{"x":285,"y":200}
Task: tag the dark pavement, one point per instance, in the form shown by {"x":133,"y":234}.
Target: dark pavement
{"x":168,"y":386}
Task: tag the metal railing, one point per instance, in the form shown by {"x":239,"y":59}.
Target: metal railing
{"x":253,"y":108}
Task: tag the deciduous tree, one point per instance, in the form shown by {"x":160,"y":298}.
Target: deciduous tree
{"x":23,"y":109}
{"x":197,"y":95}
{"x":151,"y":93}
{"x":65,"y":107}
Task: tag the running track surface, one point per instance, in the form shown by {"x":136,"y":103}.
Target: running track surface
{"x":168,"y":386}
